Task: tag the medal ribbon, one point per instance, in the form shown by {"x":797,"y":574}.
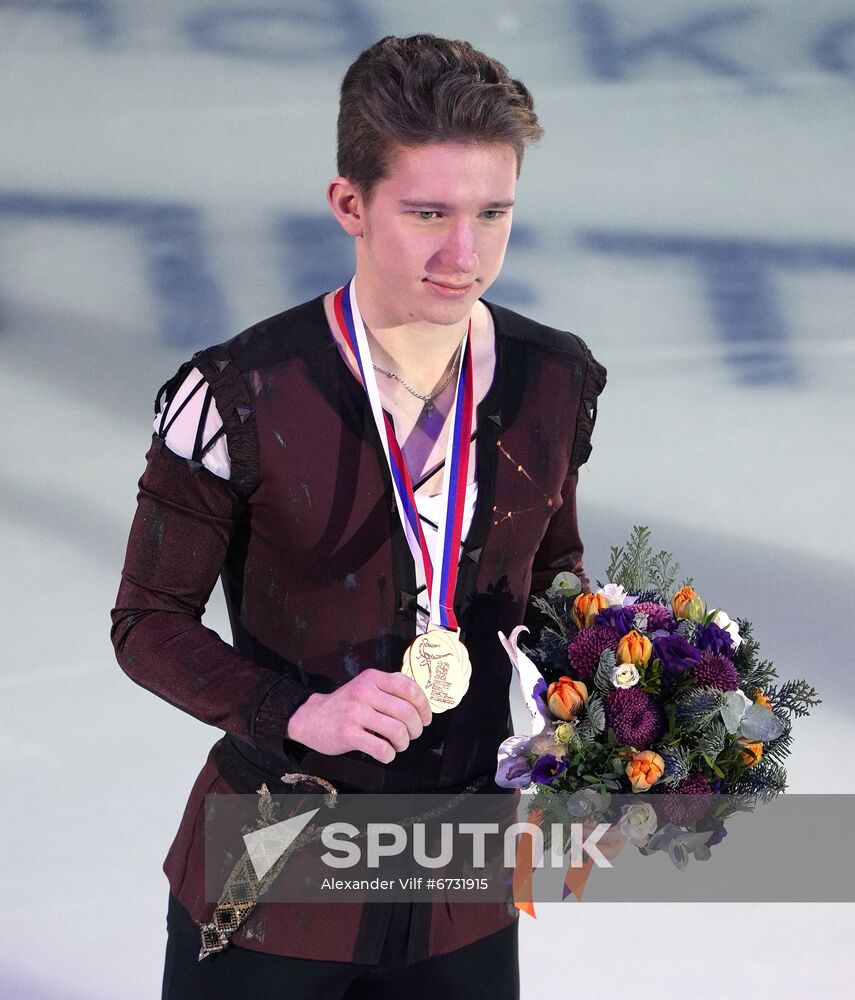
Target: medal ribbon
{"x":440,"y":585}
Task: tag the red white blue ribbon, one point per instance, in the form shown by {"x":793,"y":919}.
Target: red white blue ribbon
{"x":440,"y":584}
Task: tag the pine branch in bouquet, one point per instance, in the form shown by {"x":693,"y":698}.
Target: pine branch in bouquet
{"x":754,"y":674}
{"x":780,"y":748}
{"x":651,"y":595}
{"x":553,"y":804}
{"x":547,"y":608}
{"x":736,"y":802}
{"x":792,"y":698}
{"x":603,"y":678}
{"x":550,"y":655}
{"x":595,"y":713}
{"x":764,"y":781}
{"x":585,"y":735}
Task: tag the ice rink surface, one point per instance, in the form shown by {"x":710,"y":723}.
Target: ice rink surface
{"x":689,"y":214}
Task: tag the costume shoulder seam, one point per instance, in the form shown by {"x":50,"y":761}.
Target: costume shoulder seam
{"x":276,"y":339}
{"x":519,"y":327}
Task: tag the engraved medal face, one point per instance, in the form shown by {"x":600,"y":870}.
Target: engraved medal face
{"x":439,"y":663}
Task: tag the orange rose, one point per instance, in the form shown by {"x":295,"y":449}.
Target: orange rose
{"x":634,"y":648}
{"x":644,"y":770}
{"x":687,"y":603}
{"x":586,"y":606}
{"x":752,"y":753}
{"x":565,"y":697}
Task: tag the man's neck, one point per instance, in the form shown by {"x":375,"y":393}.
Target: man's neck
{"x":419,"y":352}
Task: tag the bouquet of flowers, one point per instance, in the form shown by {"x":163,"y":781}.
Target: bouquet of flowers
{"x":641,"y":690}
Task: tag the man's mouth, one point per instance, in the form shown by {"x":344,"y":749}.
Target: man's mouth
{"x":448,"y":288}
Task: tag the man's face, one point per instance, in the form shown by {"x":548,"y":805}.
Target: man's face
{"x":435,"y":231}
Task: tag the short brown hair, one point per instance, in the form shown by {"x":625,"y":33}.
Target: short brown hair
{"x":420,"y":90}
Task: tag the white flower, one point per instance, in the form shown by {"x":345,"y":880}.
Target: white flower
{"x":614,"y":594}
{"x":638,"y":823}
{"x":624,"y":675}
{"x":723,"y":621}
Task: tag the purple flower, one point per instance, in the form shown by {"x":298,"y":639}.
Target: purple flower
{"x":635,"y":717}
{"x":547,"y":768}
{"x":687,"y":801}
{"x":675,"y":653}
{"x":539,"y":695}
{"x":717,"y":671}
{"x":620,"y":619}
{"x":514,"y":769}
{"x":587,"y":646}
{"x":658,"y":616}
{"x":714,"y":639}
{"x":515,"y":772}
{"x":718,"y":833}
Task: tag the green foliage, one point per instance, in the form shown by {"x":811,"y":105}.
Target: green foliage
{"x":687,"y":628}
{"x":763,"y":780}
{"x":596,"y":713}
{"x":792,"y":698}
{"x":583,"y":735}
{"x":546,"y":608}
{"x":712,"y":739}
{"x":602,"y":678}
{"x":753,"y":672}
{"x":636,"y":567}
{"x":779,"y":748}
{"x":650,"y":677}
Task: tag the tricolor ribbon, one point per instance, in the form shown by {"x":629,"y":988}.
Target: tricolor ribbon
{"x":440,"y":585}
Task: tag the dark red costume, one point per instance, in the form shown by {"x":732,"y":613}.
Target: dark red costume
{"x":320,"y":583}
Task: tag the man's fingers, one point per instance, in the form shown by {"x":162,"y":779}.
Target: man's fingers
{"x":390,"y":729}
{"x":398,"y":708}
{"x":375,"y":747}
{"x":405,"y":687}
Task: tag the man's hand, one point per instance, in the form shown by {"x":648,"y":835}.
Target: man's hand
{"x":376,"y":712}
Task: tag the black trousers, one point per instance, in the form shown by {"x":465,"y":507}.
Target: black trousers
{"x":487,"y":969}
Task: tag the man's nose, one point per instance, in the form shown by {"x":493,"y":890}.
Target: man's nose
{"x":458,"y":252}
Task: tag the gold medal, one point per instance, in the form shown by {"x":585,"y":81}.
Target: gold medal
{"x":439,"y":663}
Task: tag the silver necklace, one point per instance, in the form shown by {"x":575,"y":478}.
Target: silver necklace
{"x":428,"y":398}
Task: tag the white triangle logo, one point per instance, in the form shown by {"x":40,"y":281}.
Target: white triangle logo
{"x":265,"y":846}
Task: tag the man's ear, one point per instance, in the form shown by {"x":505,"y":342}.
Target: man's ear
{"x":346,"y":204}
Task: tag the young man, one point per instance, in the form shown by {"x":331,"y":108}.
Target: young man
{"x":281,"y":461}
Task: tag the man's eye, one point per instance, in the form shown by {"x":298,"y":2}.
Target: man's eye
{"x":426,"y":215}
{"x":493,"y":213}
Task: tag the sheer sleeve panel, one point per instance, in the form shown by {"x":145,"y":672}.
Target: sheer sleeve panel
{"x":191,"y":425}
